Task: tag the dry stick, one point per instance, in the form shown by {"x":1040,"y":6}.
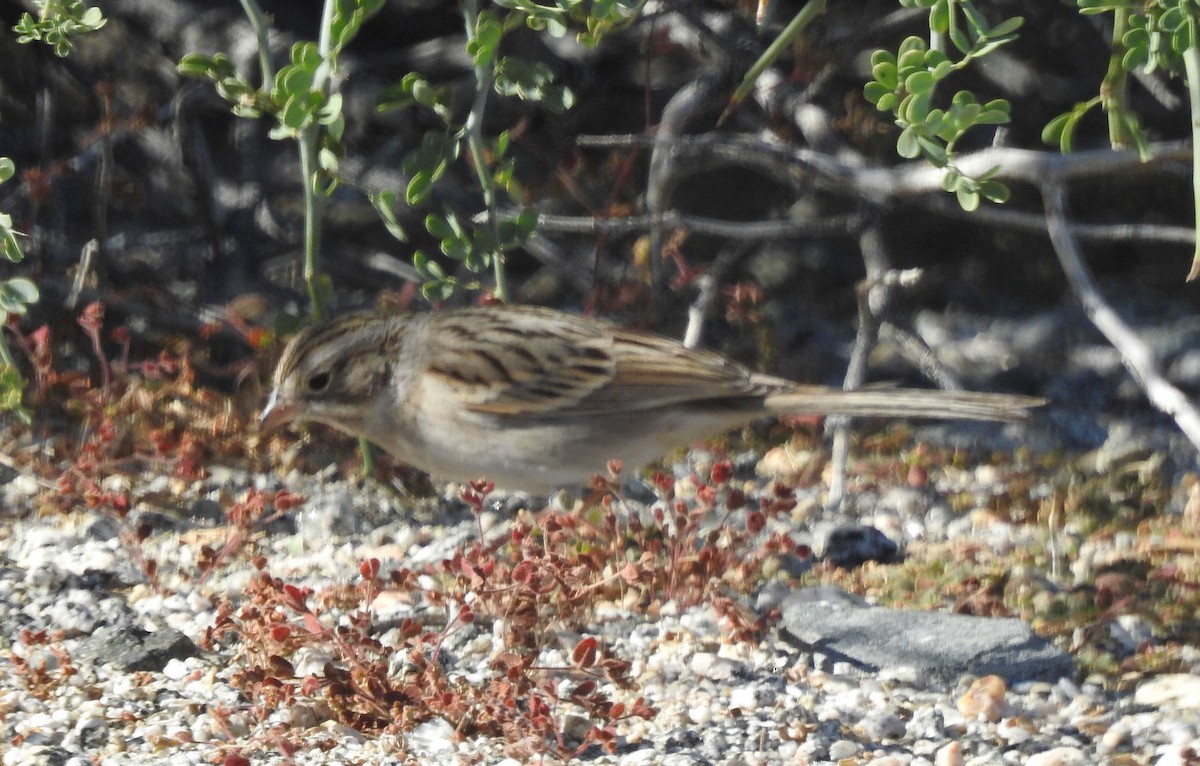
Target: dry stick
{"x":878,"y":266}
{"x":1135,"y":354}
{"x":920,"y":355}
{"x":706,"y":292}
{"x":86,"y":257}
{"x":660,"y":180}
{"x":838,"y":225}
{"x":874,"y":296}
{"x":1036,"y":222}
{"x":706,"y":295}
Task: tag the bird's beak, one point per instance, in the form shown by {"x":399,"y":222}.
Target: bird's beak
{"x":277,"y":413}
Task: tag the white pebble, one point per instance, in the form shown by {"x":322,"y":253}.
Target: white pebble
{"x":744,"y":699}
{"x":842,"y":749}
{"x":1059,"y":756}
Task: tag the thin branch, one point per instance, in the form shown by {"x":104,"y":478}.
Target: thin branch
{"x":851,"y":176}
{"x":1036,"y":222}
{"x":833,"y":226}
{"x":662,"y":175}
{"x":1135,"y":354}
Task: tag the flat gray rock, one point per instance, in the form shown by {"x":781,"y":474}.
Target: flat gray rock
{"x":936,"y":645}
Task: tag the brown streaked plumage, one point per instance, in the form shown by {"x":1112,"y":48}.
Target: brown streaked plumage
{"x":537,"y":399}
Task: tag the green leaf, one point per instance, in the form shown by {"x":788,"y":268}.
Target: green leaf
{"x":196,"y":65}
{"x":7,"y":168}
{"x":951,"y":179}
{"x":911,"y":61}
{"x":960,"y":40}
{"x":424,"y":93}
{"x":933,"y":150}
{"x":10,"y":246}
{"x":915,"y":107}
{"x":291,"y":82}
{"x":420,"y":262}
{"x":994,"y":191}
{"x":92,"y":18}
{"x":907,"y":145}
{"x":384,"y":203}
{"x":435,"y":292}
{"x":886,"y":75}
{"x":456,"y":249}
{"x":920,"y":83}
{"x":306,"y":56}
{"x":394,"y":97}
{"x":992,"y":45}
{"x":942,"y":70}
{"x":335,"y":129}
{"x":418,"y":188}
{"x":296,"y":113}
{"x":483,"y":46}
{"x":975,"y":20}
{"x":1006,"y":27}
{"x":939,"y":16}
{"x":968,"y":199}
{"x":874,"y":93}
{"x":439,"y":227}
{"x":912,"y":43}
{"x":882,"y":57}
{"x":1052,"y":133}
{"x":331,"y":110}
{"x":328,"y":160}
{"x":23,"y":289}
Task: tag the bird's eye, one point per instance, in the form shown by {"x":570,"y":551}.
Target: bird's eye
{"x":318,"y":382}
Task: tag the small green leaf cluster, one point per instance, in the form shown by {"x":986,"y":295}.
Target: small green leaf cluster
{"x":1157,"y":33}
{"x":476,"y":247}
{"x":298,"y":97}
{"x":301,"y":101}
{"x":245,"y":99}
{"x":532,"y":81}
{"x":426,"y":164}
{"x":1061,"y":130}
{"x":57,"y":22}
{"x":1156,"y":36}
{"x":596,"y":17}
{"x":16,"y":296}
{"x":294,"y":99}
{"x":472,"y":246}
{"x":977,"y":38}
{"x":905,"y":84}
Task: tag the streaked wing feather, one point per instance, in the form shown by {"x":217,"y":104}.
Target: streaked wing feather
{"x":534,"y":362}
{"x":654,"y":372}
{"x":539,"y":362}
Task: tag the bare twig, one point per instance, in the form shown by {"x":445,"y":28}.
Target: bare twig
{"x":852,"y":177}
{"x":698,"y":311}
{"x":832,"y":226}
{"x":874,"y":295}
{"x":680,"y":110}
{"x":1016,"y":219}
{"x":1135,"y":354}
{"x":86,"y":258}
{"x":920,"y":355}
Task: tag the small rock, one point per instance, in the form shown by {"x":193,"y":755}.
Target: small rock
{"x":1059,"y":756}
{"x":984,"y":701}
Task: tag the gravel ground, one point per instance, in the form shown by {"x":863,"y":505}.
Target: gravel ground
{"x":100,"y":668}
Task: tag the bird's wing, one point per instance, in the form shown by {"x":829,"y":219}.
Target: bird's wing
{"x":537,"y":362}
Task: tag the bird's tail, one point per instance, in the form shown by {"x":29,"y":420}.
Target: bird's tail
{"x":903,"y":402}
